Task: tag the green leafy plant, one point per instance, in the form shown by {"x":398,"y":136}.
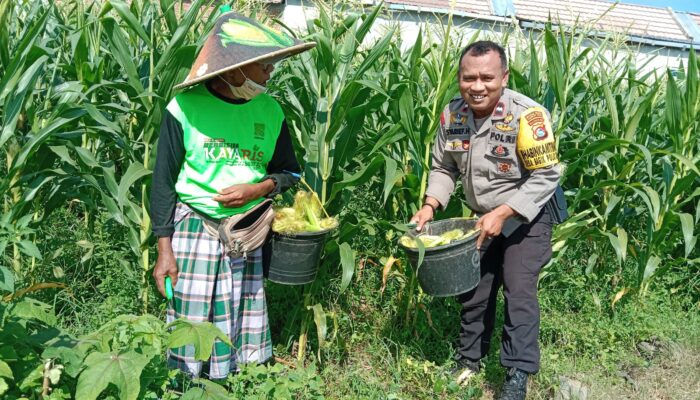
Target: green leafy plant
{"x":82,"y":89}
{"x":276,"y":382}
{"x":38,"y":358}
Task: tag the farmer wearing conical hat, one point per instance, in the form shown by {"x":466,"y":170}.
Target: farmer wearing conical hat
{"x":501,"y":145}
{"x":224,"y":148}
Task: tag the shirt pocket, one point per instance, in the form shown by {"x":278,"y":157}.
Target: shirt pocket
{"x":501,"y":157}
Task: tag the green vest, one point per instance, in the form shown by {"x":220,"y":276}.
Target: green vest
{"x":225,"y":144}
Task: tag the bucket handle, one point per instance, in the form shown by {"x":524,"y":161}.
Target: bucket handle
{"x":412,"y":226}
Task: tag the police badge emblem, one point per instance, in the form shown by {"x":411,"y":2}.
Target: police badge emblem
{"x":500,"y":151}
{"x":503,"y":127}
{"x":540,"y":133}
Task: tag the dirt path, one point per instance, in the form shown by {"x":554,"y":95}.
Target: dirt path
{"x":672,"y":373}
{"x":664,"y":372}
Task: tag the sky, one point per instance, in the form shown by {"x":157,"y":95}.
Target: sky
{"x":676,"y":5}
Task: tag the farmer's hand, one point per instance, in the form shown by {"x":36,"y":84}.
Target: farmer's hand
{"x":491,"y":223}
{"x":242,"y":194}
{"x":425,"y":214}
{"x":166,"y":265}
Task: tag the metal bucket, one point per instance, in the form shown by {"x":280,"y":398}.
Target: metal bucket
{"x":294,"y":258}
{"x":450,"y":269}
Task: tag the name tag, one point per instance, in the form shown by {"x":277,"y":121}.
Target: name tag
{"x":456,"y":131}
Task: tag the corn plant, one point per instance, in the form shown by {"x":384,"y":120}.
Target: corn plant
{"x":150,"y":46}
{"x":26,"y":120}
{"x":327,"y":96}
{"x":630,"y":156}
{"x":84,"y":83}
{"x":122,"y":61}
{"x":422,"y":81}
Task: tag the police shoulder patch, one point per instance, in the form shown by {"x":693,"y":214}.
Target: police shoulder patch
{"x":536,"y":145}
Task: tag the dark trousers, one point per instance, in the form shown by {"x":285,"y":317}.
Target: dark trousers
{"x":515,"y":263}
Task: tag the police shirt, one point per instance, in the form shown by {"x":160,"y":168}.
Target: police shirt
{"x":511,"y":159}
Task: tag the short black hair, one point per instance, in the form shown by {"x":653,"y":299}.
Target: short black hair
{"x":482,"y":47}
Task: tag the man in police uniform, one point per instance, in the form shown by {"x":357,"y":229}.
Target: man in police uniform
{"x":500,"y":143}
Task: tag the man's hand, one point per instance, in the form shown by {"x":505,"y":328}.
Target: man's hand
{"x":491,"y":223}
{"x":425,"y":214}
{"x":242,"y":194}
{"x":166,"y":265}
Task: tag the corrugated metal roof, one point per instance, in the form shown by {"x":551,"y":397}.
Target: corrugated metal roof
{"x":695,"y":17}
{"x":689,"y":25}
{"x":652,"y":22}
{"x":482,"y":7}
{"x":641,"y":23}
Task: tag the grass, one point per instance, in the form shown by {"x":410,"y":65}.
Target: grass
{"x":596,"y":349}
{"x":582,"y":338}
{"x":97,"y":269}
{"x":84,"y":124}
{"x":375,"y":355}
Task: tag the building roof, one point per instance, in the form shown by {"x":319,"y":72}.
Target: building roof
{"x":654,"y":25}
{"x":649,"y":22}
{"x":695,"y":17}
{"x":482,"y":7}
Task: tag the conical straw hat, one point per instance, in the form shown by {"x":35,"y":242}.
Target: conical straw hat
{"x":237,"y":41}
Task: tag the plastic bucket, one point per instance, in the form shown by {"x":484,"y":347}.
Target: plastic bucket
{"x":450,"y":269}
{"x":295,"y":258}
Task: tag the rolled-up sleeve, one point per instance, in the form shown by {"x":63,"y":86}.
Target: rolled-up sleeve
{"x":529,"y":199}
{"x":283,"y":169}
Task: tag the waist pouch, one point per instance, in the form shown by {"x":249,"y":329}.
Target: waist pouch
{"x":556,"y":206}
{"x":244,"y":232}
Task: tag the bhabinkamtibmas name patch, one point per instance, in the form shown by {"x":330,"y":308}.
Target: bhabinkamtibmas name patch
{"x":536,"y":146}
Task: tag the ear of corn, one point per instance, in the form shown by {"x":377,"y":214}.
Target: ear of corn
{"x":435,"y":240}
{"x":306,"y":215}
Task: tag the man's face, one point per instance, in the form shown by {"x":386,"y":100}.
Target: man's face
{"x":256,"y":72}
{"x":481,"y":82}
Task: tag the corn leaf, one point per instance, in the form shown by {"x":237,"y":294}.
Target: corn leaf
{"x":135,"y":172}
{"x":651,"y":266}
{"x":619,"y":295}
{"x":117,"y":41}
{"x":688,"y":237}
{"x":321,"y":323}
{"x":347,"y":261}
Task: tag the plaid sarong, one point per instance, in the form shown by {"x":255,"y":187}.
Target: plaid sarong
{"x":225,"y":291}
